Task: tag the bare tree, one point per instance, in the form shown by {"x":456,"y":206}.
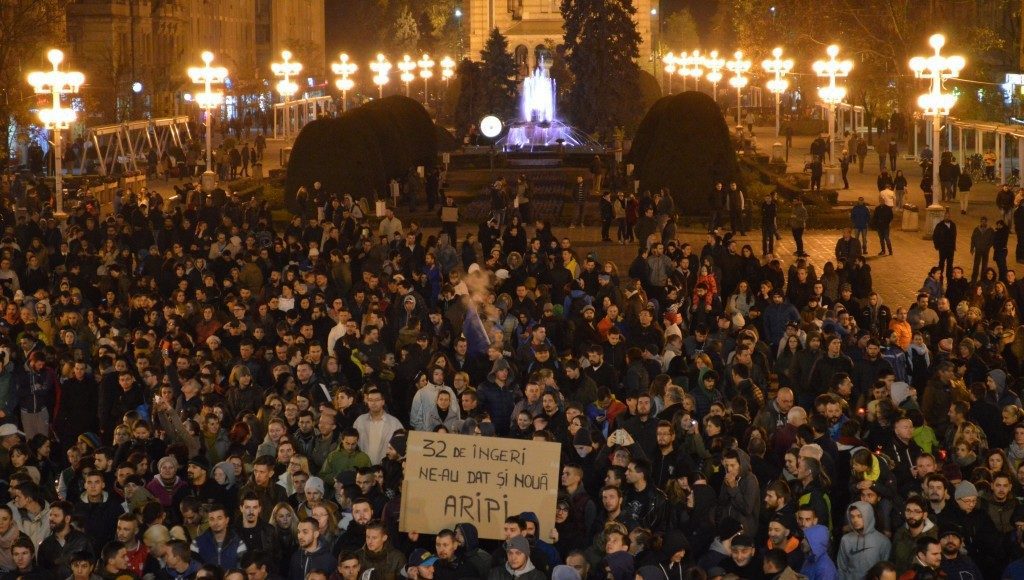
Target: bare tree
{"x":27,"y":29}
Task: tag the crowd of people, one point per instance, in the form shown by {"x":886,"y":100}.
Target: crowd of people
{"x":198,"y":392}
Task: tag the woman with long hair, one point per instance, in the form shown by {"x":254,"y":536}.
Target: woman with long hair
{"x":285,"y":523}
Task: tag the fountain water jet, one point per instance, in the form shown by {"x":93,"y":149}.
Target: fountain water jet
{"x":537,"y":127}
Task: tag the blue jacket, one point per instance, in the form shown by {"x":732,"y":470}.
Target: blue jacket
{"x":818,"y":566}
{"x":776,"y":317}
{"x":860,"y":216}
{"x":226,"y":555}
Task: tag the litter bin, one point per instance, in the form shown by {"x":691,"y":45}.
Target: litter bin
{"x":911,"y":218}
{"x":778,"y":152}
{"x":257,"y":171}
{"x":935,"y":214}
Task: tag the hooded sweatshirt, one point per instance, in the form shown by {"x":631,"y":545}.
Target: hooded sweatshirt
{"x":479,"y":559}
{"x":859,"y":551}
{"x":817,"y":565}
{"x":742,"y":502}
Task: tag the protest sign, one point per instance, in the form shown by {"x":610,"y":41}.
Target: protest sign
{"x":452,"y":479}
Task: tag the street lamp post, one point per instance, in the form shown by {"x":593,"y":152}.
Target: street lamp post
{"x":57,"y":118}
{"x":780,"y":68}
{"x":344,"y":69}
{"x":738,"y":66}
{"x":447,"y":70}
{"x":286,"y":87}
{"x":669,"y":60}
{"x":832,"y":94}
{"x":696,"y":68}
{"x":208,"y":99}
{"x":426,"y":66}
{"x":714,"y":74}
{"x":380,"y":67}
{"x":683,"y":62}
{"x":936,"y":103}
{"x":406,"y":65}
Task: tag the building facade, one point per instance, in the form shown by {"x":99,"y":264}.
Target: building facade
{"x":136,"y":53}
{"x":531,"y":25}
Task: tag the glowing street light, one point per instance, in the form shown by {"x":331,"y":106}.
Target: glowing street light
{"x":426,"y":66}
{"x":832,"y":94}
{"x":208,"y":99}
{"x":447,"y":70}
{"x":57,"y":118}
{"x":669,"y":60}
{"x":407,"y":65}
{"x":714,"y":74}
{"x":739,"y":67}
{"x":381,"y":68}
{"x":780,"y":68}
{"x":696,"y":67}
{"x":286,"y":87}
{"x":936,"y":103}
{"x":344,"y":69}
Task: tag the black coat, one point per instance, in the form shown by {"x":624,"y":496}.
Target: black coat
{"x":944,"y":237}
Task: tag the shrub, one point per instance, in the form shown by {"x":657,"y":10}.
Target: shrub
{"x":683,"y":144}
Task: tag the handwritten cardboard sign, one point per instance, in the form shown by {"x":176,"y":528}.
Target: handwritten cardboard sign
{"x":452,"y":479}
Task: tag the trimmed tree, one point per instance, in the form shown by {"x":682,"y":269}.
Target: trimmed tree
{"x":469,"y":107}
{"x":602,"y":45}
{"x":498,"y":76}
{"x":683,"y":144}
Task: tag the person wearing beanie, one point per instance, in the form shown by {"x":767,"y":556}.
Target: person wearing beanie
{"x":744,"y":559}
{"x":979,"y":532}
{"x":204,"y":488}
{"x":517,"y":563}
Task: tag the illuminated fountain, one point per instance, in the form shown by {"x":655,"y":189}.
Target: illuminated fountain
{"x":537,"y":128}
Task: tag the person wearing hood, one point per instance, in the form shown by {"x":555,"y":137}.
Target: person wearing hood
{"x":498,"y":395}
{"x":740,"y":495}
{"x":537,"y":545}
{"x":675,"y":553}
{"x":863,"y":546}
{"x":818,"y":565}
{"x":312,"y":554}
{"x":425,"y":400}
{"x":469,"y":549}
{"x":451,"y":562}
{"x":517,"y":564}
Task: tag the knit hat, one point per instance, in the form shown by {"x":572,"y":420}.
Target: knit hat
{"x":315,"y":484}
{"x":743,"y":541}
{"x":200,"y":461}
{"x":563,"y":572}
{"x":518,"y":543}
{"x":398,"y":443}
{"x":966,"y":489}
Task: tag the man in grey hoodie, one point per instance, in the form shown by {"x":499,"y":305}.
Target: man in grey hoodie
{"x":863,"y":546}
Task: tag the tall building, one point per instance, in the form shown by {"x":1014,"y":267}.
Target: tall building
{"x":295,"y":25}
{"x":135,"y":53}
{"x":531,"y":24}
